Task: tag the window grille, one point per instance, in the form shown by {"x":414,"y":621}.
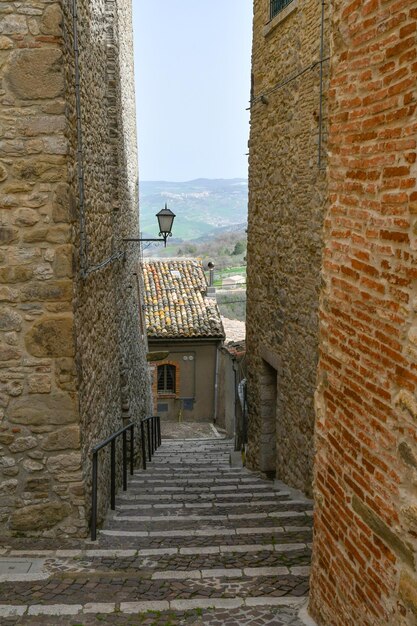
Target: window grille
{"x":166,"y":378}
{"x":276,"y":6}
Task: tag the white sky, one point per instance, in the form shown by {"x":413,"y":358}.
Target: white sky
{"x":192,"y":64}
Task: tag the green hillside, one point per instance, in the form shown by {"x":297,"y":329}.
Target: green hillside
{"x":203,"y":207}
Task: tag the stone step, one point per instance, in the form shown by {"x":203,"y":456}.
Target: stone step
{"x":195,"y":508}
{"x":206,"y":532}
{"x":89,"y":587}
{"x":178,"y":612}
{"x":217,"y":488}
{"x":132,"y":517}
{"x":243,"y":496}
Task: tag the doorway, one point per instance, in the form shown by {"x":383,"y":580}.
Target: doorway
{"x":268,"y":411}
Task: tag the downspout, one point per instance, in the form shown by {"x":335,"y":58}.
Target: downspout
{"x":80,"y":159}
{"x":236,"y":434}
{"x":216,"y":383}
{"x":321,"y":84}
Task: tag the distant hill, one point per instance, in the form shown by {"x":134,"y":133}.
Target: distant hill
{"x":203,"y":207}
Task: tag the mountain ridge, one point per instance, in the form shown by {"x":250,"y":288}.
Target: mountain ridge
{"x":203,"y":206}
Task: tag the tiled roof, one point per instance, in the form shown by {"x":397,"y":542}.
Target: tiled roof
{"x":175,"y":302}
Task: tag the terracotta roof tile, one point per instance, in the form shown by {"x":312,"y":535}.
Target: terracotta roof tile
{"x":175,"y":302}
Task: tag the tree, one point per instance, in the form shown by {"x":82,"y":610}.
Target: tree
{"x":239,"y":248}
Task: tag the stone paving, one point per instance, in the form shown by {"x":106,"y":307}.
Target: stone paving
{"x":193,"y":541}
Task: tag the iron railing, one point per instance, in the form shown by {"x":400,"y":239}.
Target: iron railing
{"x":112,"y":441}
{"x":276,"y":6}
{"x":150,"y":440}
{"x":153,"y":436}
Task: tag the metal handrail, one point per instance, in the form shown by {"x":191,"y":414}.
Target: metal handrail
{"x":112,"y":441}
{"x":153,"y":431}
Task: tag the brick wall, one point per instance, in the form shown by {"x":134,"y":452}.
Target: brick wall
{"x":364,"y":571}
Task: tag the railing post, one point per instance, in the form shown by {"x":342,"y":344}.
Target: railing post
{"x":113,"y":475}
{"x":154,"y":433}
{"x":143,"y":443}
{"x":132,"y":448}
{"x":158,"y":421}
{"x":94,"y":499}
{"x":124,"y":461}
{"x":148,"y":432}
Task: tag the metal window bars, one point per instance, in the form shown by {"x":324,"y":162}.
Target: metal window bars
{"x":152,"y":440}
{"x":276,"y":6}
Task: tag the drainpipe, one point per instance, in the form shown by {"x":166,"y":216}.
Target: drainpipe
{"x":80,"y":159}
{"x":321,"y":84}
{"x":216,"y":382}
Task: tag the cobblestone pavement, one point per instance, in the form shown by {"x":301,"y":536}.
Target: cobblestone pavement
{"x":192,"y":542}
{"x":188,"y":430}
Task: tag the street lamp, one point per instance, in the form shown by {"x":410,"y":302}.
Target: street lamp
{"x":165,"y":221}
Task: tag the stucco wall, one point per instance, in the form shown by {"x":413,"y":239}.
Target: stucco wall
{"x":66,"y":333}
{"x":286,"y":197}
{"x":195,"y":379}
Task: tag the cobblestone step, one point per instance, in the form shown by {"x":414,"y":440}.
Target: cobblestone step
{"x":252,"y":611}
{"x":191,"y":537}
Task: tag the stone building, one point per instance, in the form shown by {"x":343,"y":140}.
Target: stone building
{"x":287,"y":188}
{"x":72,"y":354}
{"x":183,"y":323}
{"x":354,"y":222}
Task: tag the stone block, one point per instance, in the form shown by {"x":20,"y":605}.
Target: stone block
{"x":31,"y":465}
{"x":51,"y":337}
{"x":26,"y":217}
{"x":37,"y":484}
{"x":407,"y":454}
{"x":58,"y":290}
{"x":57,"y":408}
{"x":39,"y":516}
{"x":15,"y":274}
{"x":3,"y":171}
{"x":46,"y":169}
{"x":380,"y":528}
{"x":39,"y":383}
{"x":8,"y":235}
{"x":67,"y":438}
{"x":63,"y":262}
{"x":408,"y":591}
{"x":8,"y":353}
{"x":10,"y":320}
{"x":51,"y":22}
{"x":64,"y":463}
{"x":35,"y":74}
{"x":8,"y":486}
{"x":6,"y":438}
{"x":12,"y":24}
{"x":63,"y":209}
{"x":21,"y":444}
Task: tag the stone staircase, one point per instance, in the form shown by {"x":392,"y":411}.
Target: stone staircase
{"x":193,"y":541}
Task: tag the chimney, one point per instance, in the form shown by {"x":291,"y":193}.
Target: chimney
{"x":211,"y":291}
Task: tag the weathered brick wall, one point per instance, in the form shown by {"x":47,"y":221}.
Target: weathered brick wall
{"x":286,"y":197}
{"x":365,"y":545}
{"x":66,"y":337}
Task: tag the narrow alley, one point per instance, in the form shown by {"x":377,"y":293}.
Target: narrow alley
{"x":192,"y":541}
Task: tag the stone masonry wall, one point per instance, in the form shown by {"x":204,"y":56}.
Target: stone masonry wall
{"x":286,"y":199}
{"x":365,"y":547}
{"x":68,"y":328}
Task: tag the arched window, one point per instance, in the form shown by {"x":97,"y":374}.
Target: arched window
{"x":166,"y":378}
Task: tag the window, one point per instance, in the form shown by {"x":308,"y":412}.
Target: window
{"x":277,"y":6}
{"x":166,"y":378}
